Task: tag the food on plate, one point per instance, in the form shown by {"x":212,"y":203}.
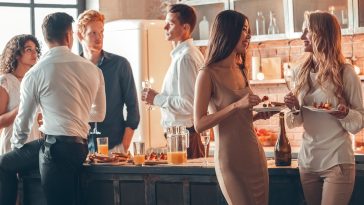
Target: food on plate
{"x":115,"y":158}
{"x":273,"y":104}
{"x":277,"y":104}
{"x":266,"y":137}
{"x":267,"y":103}
{"x":360,"y":150}
{"x":322,"y":105}
{"x":156,"y":156}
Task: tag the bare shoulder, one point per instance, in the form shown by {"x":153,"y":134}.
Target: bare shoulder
{"x":204,"y":72}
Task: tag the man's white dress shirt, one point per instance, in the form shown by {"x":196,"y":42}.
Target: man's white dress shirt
{"x":177,"y":94}
{"x":70,"y":91}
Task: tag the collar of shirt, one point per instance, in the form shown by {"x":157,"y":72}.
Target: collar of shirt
{"x":56,"y":50}
{"x":104,"y":55}
{"x":181,"y":47}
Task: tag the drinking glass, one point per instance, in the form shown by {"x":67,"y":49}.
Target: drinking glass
{"x":205,"y":138}
{"x":290,"y":83}
{"x":146,"y":84}
{"x":103,"y":145}
{"x":139,"y":153}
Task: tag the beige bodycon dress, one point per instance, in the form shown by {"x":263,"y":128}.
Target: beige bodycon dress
{"x":240,"y":163}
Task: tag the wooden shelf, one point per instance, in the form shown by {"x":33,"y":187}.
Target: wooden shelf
{"x":201,"y":2}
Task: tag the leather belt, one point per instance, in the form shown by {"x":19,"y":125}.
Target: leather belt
{"x":63,"y":138}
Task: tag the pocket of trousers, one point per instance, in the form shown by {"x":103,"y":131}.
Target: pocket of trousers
{"x":342,"y":173}
{"x":47,"y":151}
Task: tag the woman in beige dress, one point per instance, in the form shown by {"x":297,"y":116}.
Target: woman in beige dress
{"x":222,"y":85}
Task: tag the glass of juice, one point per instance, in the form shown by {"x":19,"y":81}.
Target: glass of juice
{"x":103,"y":145}
{"x":139,"y":153}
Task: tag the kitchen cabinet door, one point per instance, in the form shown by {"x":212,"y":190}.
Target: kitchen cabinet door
{"x":269,"y":19}
{"x":206,"y":11}
{"x":358,"y":13}
{"x":342,"y":9}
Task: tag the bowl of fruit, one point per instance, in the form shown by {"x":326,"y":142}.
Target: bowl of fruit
{"x":266,"y":137}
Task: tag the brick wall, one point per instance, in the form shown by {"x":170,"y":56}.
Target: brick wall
{"x":151,"y":9}
{"x":276,"y":92}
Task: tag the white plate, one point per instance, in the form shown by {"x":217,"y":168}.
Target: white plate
{"x":269,"y":109}
{"x":320,"y":110}
{"x":155,"y":162}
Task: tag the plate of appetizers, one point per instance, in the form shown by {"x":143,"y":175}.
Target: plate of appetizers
{"x":268,"y":109}
{"x":99,"y":159}
{"x":268,"y":106}
{"x":324,"y":110}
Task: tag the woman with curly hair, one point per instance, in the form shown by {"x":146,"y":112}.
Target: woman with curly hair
{"x":326,"y":158}
{"x":18,"y":56}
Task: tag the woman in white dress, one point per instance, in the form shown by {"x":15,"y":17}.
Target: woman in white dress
{"x":18,"y":56}
{"x":326,"y":158}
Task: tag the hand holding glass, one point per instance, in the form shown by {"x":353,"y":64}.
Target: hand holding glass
{"x":205,"y":138}
{"x":146,"y":85}
{"x":291,"y":84}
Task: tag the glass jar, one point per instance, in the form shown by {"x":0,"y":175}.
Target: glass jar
{"x":177,"y":144}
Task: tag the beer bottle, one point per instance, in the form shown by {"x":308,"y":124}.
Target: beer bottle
{"x":282,"y":150}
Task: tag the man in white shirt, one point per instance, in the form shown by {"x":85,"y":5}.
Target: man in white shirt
{"x":176,"y":97}
{"x":70,"y":92}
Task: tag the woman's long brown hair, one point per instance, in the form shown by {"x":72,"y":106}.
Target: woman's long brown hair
{"x":225,"y":34}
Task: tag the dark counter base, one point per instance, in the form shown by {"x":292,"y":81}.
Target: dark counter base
{"x":167,"y":185}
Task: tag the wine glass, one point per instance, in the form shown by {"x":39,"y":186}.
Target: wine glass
{"x":95,"y":131}
{"x":146,"y":84}
{"x":290,"y":79}
{"x":205,"y":138}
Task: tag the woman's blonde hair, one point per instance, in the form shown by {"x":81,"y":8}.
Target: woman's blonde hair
{"x":327,"y":52}
{"x":86,"y":17}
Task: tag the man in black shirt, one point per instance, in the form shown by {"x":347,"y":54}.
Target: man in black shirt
{"x":119,"y":83}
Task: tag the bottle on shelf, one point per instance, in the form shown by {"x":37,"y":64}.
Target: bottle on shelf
{"x":204,"y":28}
{"x":282,"y":149}
{"x":260,"y":24}
{"x":273,"y":28}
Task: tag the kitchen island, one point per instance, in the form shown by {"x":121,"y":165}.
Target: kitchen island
{"x":191,"y":183}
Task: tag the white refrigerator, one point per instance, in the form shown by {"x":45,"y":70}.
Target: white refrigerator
{"x":143,"y":43}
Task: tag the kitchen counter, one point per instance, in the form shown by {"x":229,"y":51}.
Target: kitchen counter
{"x":269,"y":153}
{"x":190,"y":183}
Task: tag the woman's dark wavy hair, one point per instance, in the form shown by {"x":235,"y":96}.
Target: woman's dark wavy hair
{"x":225,"y":34}
{"x":13,"y":49}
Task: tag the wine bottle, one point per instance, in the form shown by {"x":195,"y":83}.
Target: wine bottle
{"x":282,"y":149}
{"x":260,"y":24}
{"x":204,"y":28}
{"x":273,"y":27}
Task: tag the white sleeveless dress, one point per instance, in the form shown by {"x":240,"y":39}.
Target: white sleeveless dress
{"x":12,"y":86}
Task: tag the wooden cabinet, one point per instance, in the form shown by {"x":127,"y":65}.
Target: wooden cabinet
{"x":164,"y":185}
{"x":358,"y":15}
{"x":288,"y":15}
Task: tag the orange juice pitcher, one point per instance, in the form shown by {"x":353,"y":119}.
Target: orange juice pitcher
{"x":177,"y":144}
